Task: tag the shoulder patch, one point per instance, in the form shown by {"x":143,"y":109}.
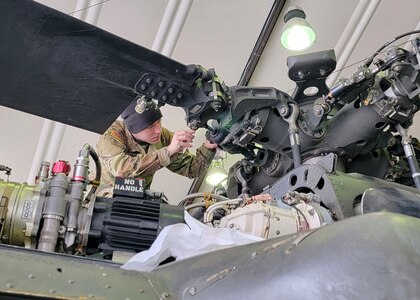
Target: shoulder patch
{"x":116,"y":134}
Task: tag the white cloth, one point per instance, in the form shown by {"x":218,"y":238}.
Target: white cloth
{"x":187,"y":240}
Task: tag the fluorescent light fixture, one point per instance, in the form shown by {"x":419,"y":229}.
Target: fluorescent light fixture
{"x":297,"y":33}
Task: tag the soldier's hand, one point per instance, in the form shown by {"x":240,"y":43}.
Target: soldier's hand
{"x":180,"y":141}
{"x":209,"y":145}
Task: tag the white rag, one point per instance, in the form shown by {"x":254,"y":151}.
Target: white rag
{"x":186,"y":240}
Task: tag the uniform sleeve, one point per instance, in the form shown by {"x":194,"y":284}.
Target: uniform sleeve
{"x":190,"y":165}
{"x":116,"y":160}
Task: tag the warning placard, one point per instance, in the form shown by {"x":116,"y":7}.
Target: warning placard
{"x":129,"y":187}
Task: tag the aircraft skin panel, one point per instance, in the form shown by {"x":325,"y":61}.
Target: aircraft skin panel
{"x":57,"y":276}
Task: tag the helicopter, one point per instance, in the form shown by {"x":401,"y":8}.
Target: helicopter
{"x":294,"y":148}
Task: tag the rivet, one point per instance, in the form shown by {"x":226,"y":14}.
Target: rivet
{"x":31,"y":276}
{"x":9,"y":285}
{"x":254,"y":254}
{"x":51,"y":291}
{"x":149,"y":80}
{"x":141,"y":291}
{"x":108,"y":286}
{"x":164,"y":97}
{"x":277,"y":232}
{"x":161,"y":83}
{"x":174,"y":101}
{"x":91,"y":296}
{"x":143,"y":87}
{"x":165,"y":295}
{"x":70,"y":281}
{"x":170,"y":90}
{"x":104,"y":274}
{"x":153,"y":93}
{"x":179,"y":96}
{"x":192,"y":291}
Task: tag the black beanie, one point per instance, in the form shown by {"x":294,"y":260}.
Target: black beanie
{"x":137,"y":121}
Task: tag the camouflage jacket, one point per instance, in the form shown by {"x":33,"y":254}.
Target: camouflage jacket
{"x":121,"y":155}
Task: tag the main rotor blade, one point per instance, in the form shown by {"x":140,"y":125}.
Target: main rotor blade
{"x":58,"y":67}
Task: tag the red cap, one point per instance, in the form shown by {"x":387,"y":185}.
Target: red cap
{"x":61,"y":166}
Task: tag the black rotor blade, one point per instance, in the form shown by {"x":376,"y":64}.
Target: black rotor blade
{"x":58,"y":67}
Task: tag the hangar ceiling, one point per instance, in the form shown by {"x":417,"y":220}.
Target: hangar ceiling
{"x":220,"y":34}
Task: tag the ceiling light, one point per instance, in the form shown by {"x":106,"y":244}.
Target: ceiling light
{"x":297,"y":33}
{"x":217,"y":173}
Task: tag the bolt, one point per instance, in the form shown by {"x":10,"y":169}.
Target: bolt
{"x":278,"y":218}
{"x":283,"y":111}
{"x":179,"y":96}
{"x":149,"y":80}
{"x":170,"y":90}
{"x":62,"y":229}
{"x":277,"y":232}
{"x":193,"y":291}
{"x":231,"y":225}
{"x":301,"y":75}
{"x":152,"y":93}
{"x":174,"y":101}
{"x":318,"y":110}
{"x":161,"y":84}
{"x":142,"y":87}
{"x":164,"y":97}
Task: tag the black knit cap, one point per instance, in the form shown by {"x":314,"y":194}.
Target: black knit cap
{"x":137,"y":121}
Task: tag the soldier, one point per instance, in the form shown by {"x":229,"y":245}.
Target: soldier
{"x":139,"y":146}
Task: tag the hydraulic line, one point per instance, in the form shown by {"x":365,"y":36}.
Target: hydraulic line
{"x":410,"y":155}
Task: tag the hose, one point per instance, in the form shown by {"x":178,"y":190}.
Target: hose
{"x":209,"y":213}
{"x":97,"y":180}
{"x":410,"y":155}
{"x":194,"y":205}
{"x":202,"y":195}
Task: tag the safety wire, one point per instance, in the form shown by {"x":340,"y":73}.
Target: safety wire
{"x":299,"y":213}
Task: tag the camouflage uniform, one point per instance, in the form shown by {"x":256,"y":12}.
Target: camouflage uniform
{"x":122,"y":155}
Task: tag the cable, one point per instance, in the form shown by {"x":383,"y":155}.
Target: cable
{"x":370,"y":59}
{"x":87,"y":7}
{"x":301,"y":213}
